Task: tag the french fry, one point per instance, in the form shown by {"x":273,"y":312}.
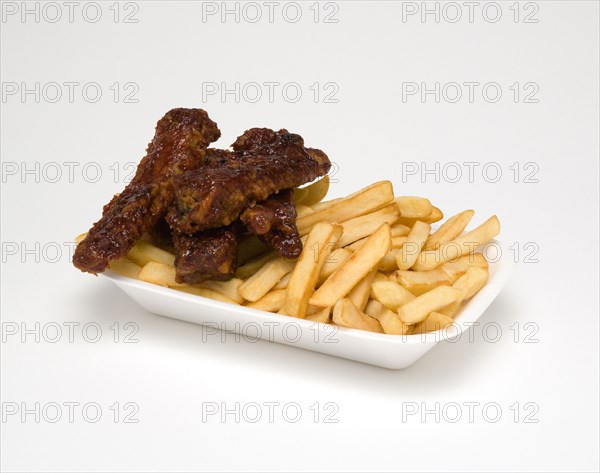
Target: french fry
{"x":449,"y":230}
{"x":413,"y":207}
{"x":357,"y":244}
{"x":472,"y":281}
{"x":144,"y":252}
{"x":305,"y":274}
{"x":316,"y":192}
{"x":354,"y":269}
{"x":391,"y":323}
{"x":335,"y":260}
{"x":379,"y":276}
{"x":362,"y":202}
{"x":284,"y":281}
{"x":434,"y":321}
{"x":468,"y":284}
{"x":359,"y":295}
{"x":159,"y":273}
{"x":261,"y":282}
{"x":252,"y":266}
{"x":203,"y":292}
{"x":229,"y":288}
{"x":362,"y":226}
{"x":399,"y":230}
{"x":420,"y":307}
{"x":303,"y":210}
{"x":388,"y":262}
{"x":465,"y":262}
{"x":420,"y":282}
{"x":125,"y":267}
{"x":435,"y":216}
{"x":322,"y":316}
{"x":409,"y":252}
{"x":458,"y":247}
{"x":270,"y":302}
{"x":346,"y":314}
{"x":399,"y":241}
{"x":326,"y":203}
{"x":391,"y":294}
{"x":374,"y":308}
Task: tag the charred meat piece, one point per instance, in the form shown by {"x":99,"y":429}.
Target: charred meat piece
{"x":274,"y":221}
{"x":210,"y":255}
{"x":179,"y":145}
{"x":215,"y":196}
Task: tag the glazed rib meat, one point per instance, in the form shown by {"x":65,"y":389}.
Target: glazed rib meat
{"x":274,"y":221}
{"x":179,"y":145}
{"x":209,"y":255}
{"x":211,"y":197}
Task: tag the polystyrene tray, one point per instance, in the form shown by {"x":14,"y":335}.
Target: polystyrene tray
{"x":387,"y":351}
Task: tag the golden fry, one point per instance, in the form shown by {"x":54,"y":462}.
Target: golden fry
{"x":334,"y":261}
{"x":265,"y":278}
{"x":390,"y":294}
{"x":144,"y":252}
{"x":229,"y":288}
{"x":359,"y":295}
{"x":322,"y":316}
{"x":409,"y":252}
{"x":420,"y":307}
{"x":362,"y":202}
{"x":462,"y":245}
{"x":434,"y":321}
{"x":319,"y":245}
{"x":354,"y":269}
{"x":414,"y":207}
{"x":364,"y":225}
{"x":346,"y":314}
{"x":449,"y":230}
{"x":270,"y":302}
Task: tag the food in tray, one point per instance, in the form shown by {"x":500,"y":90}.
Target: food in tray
{"x":236,"y":226}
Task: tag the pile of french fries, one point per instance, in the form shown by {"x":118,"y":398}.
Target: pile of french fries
{"x":370,"y":261}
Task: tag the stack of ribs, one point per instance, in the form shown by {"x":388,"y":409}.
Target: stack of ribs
{"x":201,"y":201}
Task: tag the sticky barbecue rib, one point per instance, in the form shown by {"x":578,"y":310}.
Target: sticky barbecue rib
{"x":215,"y":196}
{"x":274,"y":221}
{"x":209,"y":255}
{"x":179,"y":145}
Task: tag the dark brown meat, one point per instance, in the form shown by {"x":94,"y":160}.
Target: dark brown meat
{"x":179,"y":145}
{"x":215,"y":196}
{"x":274,"y":220}
{"x":210,"y":255}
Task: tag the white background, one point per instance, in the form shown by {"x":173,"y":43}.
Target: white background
{"x":172,"y":370}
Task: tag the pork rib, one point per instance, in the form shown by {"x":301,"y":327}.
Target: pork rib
{"x":216,"y":196}
{"x":179,"y":145}
{"x":274,"y":221}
